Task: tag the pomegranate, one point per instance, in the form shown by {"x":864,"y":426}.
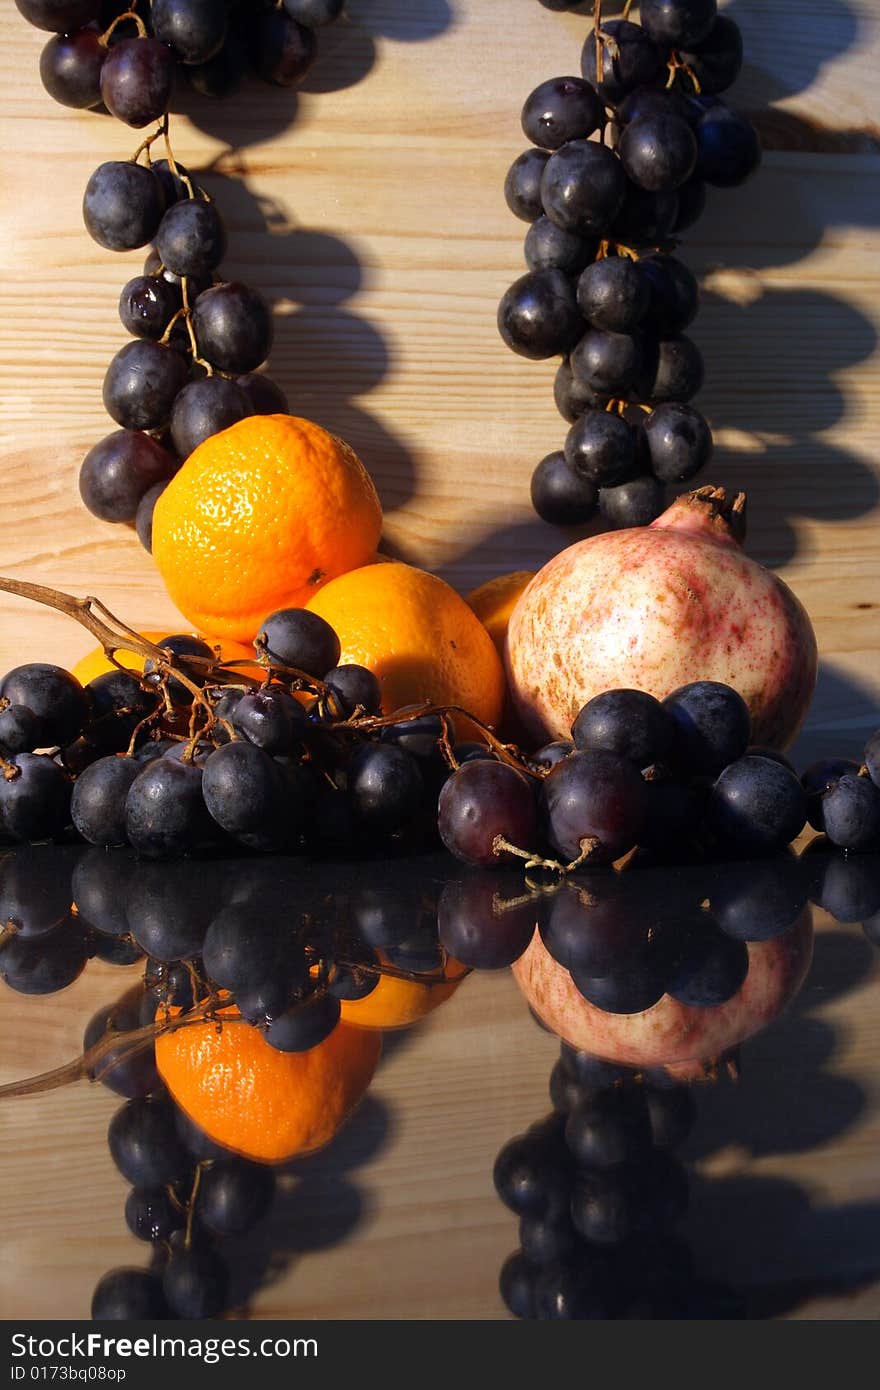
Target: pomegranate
{"x":655,"y":607}
{"x":676,"y":1036}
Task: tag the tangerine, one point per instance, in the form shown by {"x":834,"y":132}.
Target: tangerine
{"x":419,"y":637}
{"x":397,"y":1002}
{"x":261,"y":1103}
{"x":258,"y":518}
{"x":493,"y":603}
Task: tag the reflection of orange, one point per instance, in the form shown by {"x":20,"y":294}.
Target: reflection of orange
{"x":417,"y":635}
{"x":258,"y":518}
{"x":261,"y":1103}
{"x":493,"y":602}
{"x":396,"y":1002}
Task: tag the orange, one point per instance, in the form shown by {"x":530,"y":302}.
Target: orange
{"x":419,"y":637}
{"x":396,"y":1003}
{"x":259,"y":1102}
{"x":258,"y":518}
{"x":493,"y":602}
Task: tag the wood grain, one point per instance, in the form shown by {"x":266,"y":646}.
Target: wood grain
{"x":368,"y":208}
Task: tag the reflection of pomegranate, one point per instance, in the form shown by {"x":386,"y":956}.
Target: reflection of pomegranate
{"x":654,"y":607}
{"x":678,"y":1036}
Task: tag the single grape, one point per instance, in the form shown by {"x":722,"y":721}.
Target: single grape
{"x":729,"y":150}
{"x":713,"y":970}
{"x":549,"y":754}
{"x":141,"y":383}
{"x":123,"y":1295}
{"x":672,"y":370}
{"x":53,"y":695}
{"x":601,"y":448}
{"x":559,"y":110}
{"x":151,"y":1215}
{"x":306,"y":1024}
{"x":613,"y":294}
{"x":164,"y":811}
{"x":248,"y":797}
{"x":712,"y":726}
{"x":645,"y":218}
{"x":484,"y":921}
{"x":516,"y":1282}
{"x":717,"y":59}
{"x":314,"y":13}
{"x":143,"y":517}
{"x":531,"y":1177}
{"x":851,"y":813}
{"x":761,"y":904}
{"x":181,"y":645}
{"x":629,"y":59}
{"x":137,"y":78}
{"x":99,"y":889}
{"x":674,"y":294}
{"x":385,"y":787}
{"x":607,"y":363}
{"x":205,"y":407}
{"x":676,"y":23}
{"x":756,"y":805}
{"x":70,"y":68}
{"x":62,"y":16}
{"x":194,"y":29}
{"x":191,"y":238}
{"x":522,"y":185}
{"x":195,"y":1282}
{"x":572,"y":397}
{"x":582,"y":187}
{"x":628,"y":722}
{"x":677,"y":442}
{"x":144,"y":1144}
{"x":637,"y":502}
{"x":538,"y":316}
{"x":168,"y":910}
{"x":97,"y":806}
{"x":299,"y":638}
{"x":608,"y":1128}
{"x":548,"y":247}
{"x":47,"y":963}
{"x":282,"y":51}
{"x":561,"y":493}
{"x":234,"y":1195}
{"x":264,"y":396}
{"x":594,"y":797}
{"x":354,"y":687}
{"x":818,"y":778}
{"x":233,"y":327}
{"x":126,"y":1070}
{"x":118,"y":471}
{"x":19,"y":729}
{"x":565,"y":1291}
{"x":122,"y":205}
{"x":484,"y":802}
{"x":543,"y":1242}
{"x":35,"y":889}
{"x":271,"y":718}
{"x":658,"y":152}
{"x":147,"y":305}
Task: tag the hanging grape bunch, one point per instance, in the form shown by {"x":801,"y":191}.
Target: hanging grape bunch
{"x":190,"y":368}
{"x":604,"y":290}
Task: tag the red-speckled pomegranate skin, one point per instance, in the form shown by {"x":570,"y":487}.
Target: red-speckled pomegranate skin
{"x":669,"y":1034}
{"x":653,"y":608}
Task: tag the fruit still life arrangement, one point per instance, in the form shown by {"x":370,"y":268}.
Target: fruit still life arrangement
{"x":534,"y":765}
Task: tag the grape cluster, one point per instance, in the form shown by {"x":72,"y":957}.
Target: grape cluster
{"x":129,"y":57}
{"x":603,"y":289}
{"x":598,"y":1191}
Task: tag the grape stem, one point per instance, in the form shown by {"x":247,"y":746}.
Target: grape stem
{"x":588,"y":847}
{"x":676,"y":66}
{"x":120,"y":19}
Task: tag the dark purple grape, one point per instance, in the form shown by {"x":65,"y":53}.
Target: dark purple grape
{"x":629,"y":61}
{"x":652,"y":101}
{"x":713,"y":970}
{"x":221,"y":75}
{"x":141,"y":383}
{"x":181,"y":645}
{"x":354,"y":687}
{"x":70,"y":68}
{"x":165,"y":815}
{"x":538,"y":316}
{"x":205,"y":407}
{"x":546,"y":1241}
{"x":265,"y":397}
{"x":99,"y":889}
{"x":674,"y":294}
{"x":125,"y":1294}
{"x":559,"y":110}
{"x":306,"y":1024}
{"x":299,"y":638}
{"x":607,"y":363}
{"x":601,"y":1207}
{"x":481,"y":803}
{"x":729,"y":150}
{"x":672,"y":370}
{"x":522,"y":185}
{"x":248,"y":797}
{"x":691,"y":202}
{"x":122,"y":205}
{"x":270,"y":718}
{"x":645,"y":219}
{"x":35,"y":889}
{"x":552,"y":753}
{"x":191,"y":239}
{"x":716,"y":60}
{"x":19,"y":729}
{"x":385,"y":788}
{"x":531,"y":1177}
{"x":62,"y":16}
{"x":594,"y":797}
{"x":582,"y":187}
{"x":282,"y":51}
{"x":485,"y":920}
{"x":630,"y":723}
{"x":608,"y":1128}
{"x":314,"y":13}
{"x":147,"y":305}
{"x":756,"y":805}
{"x":97,"y":806}
{"x":233,"y":327}
{"x":678,"y":442}
{"x":151,"y":1215}
{"x":601,"y":448}
{"x":613,"y":294}
{"x":566,"y":1291}
{"x":53,"y":695}
{"x":144,"y":1144}
{"x":658,"y":152}
{"x":849,"y":885}
{"x":126,"y":1070}
{"x":762,"y":904}
{"x":561,"y":493}
{"x":195,"y":1282}
{"x":194,"y":29}
{"x":712,"y":726}
{"x":572,"y":397}
{"x":234,"y":1195}
{"x":168,"y":910}
{"x":677,"y":23}
{"x":548,"y":247}
{"x":174,"y":187}
{"x":851,"y":813}
{"x":137,"y":78}
{"x":819,"y":778}
{"x":516,"y":1282}
{"x":118,"y":471}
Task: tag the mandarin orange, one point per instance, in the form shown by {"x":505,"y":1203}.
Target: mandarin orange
{"x":493,"y":603}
